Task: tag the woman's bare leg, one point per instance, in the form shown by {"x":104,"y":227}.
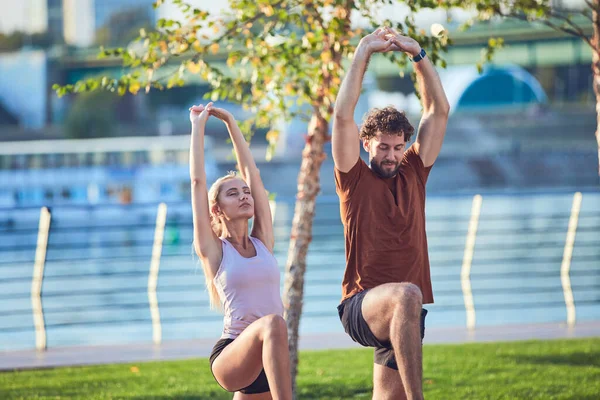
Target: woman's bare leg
{"x":263,"y":344}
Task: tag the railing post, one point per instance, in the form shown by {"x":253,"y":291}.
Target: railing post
{"x":273,"y":205}
{"x":566,"y":261}
{"x":38,"y":278}
{"x":159,"y":233}
{"x":465,"y":273}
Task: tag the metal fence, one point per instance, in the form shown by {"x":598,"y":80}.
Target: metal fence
{"x":131,"y":268}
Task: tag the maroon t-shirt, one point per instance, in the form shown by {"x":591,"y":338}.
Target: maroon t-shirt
{"x":384,"y":226}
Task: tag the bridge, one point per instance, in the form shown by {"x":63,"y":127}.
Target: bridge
{"x":526,"y":45}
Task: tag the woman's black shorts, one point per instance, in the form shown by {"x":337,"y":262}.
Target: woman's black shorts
{"x":260,"y":384}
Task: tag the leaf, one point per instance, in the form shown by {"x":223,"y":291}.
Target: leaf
{"x":267,"y":10}
{"x":163,"y":46}
{"x":183,"y":46}
{"x":92,"y":84}
{"x":193,"y":67}
{"x":289,"y":88}
{"x":231,"y":60}
{"x":134,"y":87}
{"x":326,"y":56}
{"x":272,"y":136}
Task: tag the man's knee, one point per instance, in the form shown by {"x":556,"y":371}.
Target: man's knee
{"x":407,"y":296}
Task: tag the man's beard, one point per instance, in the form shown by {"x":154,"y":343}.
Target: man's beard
{"x":378,"y":169}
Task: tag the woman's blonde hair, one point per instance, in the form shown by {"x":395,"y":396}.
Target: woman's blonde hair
{"x":215,"y":223}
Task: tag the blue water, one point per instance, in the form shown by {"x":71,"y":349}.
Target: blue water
{"x":96,"y":274}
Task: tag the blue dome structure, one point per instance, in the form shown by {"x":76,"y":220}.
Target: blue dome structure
{"x":496,"y":86}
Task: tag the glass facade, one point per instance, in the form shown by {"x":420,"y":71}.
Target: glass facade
{"x":105,"y":9}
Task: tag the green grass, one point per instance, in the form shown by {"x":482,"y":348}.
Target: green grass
{"x":558,"y":369}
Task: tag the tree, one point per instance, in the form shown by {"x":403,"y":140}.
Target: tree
{"x":282,"y":57}
{"x":92,"y":115}
{"x":16,"y":40}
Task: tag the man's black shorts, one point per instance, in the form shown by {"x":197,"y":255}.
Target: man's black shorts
{"x":350,"y":312}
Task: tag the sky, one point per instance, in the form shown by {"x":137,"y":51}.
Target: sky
{"x":29,"y":15}
{"x":23,"y":15}
{"x":170,"y":11}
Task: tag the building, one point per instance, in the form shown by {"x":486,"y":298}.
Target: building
{"x":104,"y":10}
{"x":84,"y":20}
{"x":55,"y":21}
{"x":78,"y":22}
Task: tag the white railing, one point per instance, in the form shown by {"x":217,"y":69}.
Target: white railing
{"x":474,"y":228}
{"x":564,"y":270}
{"x":567,"y":255}
{"x":159,"y":234}
{"x":38,"y":278}
{"x":465,"y":273}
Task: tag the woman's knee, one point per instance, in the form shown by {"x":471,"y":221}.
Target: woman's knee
{"x":274,"y":326}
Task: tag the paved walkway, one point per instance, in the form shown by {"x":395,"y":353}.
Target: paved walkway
{"x":176,"y":350}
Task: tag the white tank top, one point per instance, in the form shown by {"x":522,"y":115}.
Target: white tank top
{"x":248,"y":287}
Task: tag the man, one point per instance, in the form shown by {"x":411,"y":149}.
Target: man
{"x":383,"y":211}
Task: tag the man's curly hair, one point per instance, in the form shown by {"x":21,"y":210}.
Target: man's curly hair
{"x":388,"y":121}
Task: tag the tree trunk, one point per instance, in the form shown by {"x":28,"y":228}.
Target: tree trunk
{"x":301,"y":235}
{"x":596,"y":69}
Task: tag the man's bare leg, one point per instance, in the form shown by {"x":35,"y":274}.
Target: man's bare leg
{"x":387,"y":384}
{"x":393,"y":313}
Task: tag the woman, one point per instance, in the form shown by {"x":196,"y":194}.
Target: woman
{"x":242,"y":276}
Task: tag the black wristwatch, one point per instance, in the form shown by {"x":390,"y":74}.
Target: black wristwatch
{"x":419,"y":56}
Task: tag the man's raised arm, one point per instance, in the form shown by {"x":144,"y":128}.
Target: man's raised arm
{"x":345,"y":141}
{"x":435,"y":104}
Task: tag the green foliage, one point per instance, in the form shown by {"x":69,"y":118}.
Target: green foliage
{"x":278,"y":54}
{"x":274,"y":56}
{"x":540,"y":12}
{"x":91,"y":115}
{"x":493,"y":45}
{"x":566,"y":19}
